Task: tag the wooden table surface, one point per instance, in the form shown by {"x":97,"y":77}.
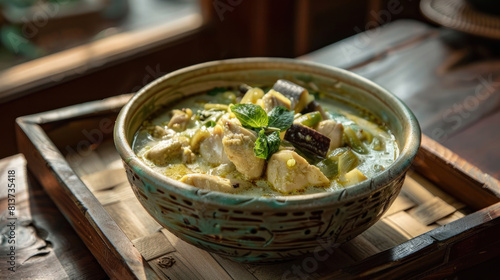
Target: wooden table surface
{"x":450,"y":80}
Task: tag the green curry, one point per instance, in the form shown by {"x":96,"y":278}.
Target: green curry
{"x":265,"y":142}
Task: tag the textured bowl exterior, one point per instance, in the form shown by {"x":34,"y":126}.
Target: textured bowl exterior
{"x":265,"y":229}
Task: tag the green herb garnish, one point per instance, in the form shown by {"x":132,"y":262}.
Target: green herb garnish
{"x":267,"y":144}
{"x":268,"y":126}
{"x":280,"y":117}
{"x":250,"y":115}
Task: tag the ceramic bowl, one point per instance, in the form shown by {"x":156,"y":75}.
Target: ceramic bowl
{"x":265,"y":229}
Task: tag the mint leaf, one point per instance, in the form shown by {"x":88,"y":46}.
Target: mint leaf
{"x":250,"y":115}
{"x":266,"y":145}
{"x":280,"y":117}
{"x":254,"y":117}
{"x":261,"y":149}
{"x":273,"y":142}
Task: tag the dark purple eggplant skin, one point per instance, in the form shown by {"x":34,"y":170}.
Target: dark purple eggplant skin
{"x":316,"y":143}
{"x":315,"y":106}
{"x":289,"y":90}
{"x":243,"y":88}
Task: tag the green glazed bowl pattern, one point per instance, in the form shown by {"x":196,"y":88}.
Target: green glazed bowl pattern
{"x":265,"y":229}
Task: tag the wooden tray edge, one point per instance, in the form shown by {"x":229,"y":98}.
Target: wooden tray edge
{"x":78,"y":204}
{"x":82,"y":209}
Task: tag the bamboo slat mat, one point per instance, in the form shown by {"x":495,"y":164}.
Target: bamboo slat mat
{"x":420,"y":207}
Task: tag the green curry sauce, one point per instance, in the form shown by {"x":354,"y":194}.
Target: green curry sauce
{"x":367,"y":144}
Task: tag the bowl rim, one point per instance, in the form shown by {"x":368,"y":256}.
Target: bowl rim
{"x":379,"y":181}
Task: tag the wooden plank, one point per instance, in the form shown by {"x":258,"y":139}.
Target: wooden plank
{"x":146,"y":220}
{"x":454,"y":175}
{"x":234,"y":269}
{"x":359,"y":248}
{"x":451,"y":218}
{"x":401,"y":203}
{"x":90,"y":165}
{"x":42,"y":235}
{"x":174,"y":266}
{"x":363,"y":48}
{"x":415,"y":191}
{"x":431,"y":211}
{"x":92,"y":223}
{"x":153,"y":246}
{"x":200,"y":261}
{"x":117,"y":194}
{"x":105,"y":179}
{"x":109,"y":156}
{"x":126,"y":219}
{"x":482,"y":137}
{"x":384,"y":236}
{"x":409,"y":224}
{"x":432,"y":188}
{"x":428,"y":251}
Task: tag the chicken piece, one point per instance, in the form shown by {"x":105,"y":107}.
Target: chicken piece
{"x":238,"y":144}
{"x":187,"y":155}
{"x":212,"y":149}
{"x":223,"y":170}
{"x":167,"y":150}
{"x":199,"y":136}
{"x":287,"y":172}
{"x":158,"y":132}
{"x":332,"y":130}
{"x":273,"y":99}
{"x":215,"y":183}
{"x":180,"y":119}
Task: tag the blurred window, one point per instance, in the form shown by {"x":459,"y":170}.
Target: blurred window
{"x":31,"y":29}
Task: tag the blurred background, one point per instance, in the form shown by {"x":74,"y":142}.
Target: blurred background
{"x":55,"y":53}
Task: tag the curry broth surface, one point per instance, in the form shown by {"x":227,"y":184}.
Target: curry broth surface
{"x":369,"y":164}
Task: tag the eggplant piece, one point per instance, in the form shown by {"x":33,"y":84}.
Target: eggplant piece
{"x":298,"y":95}
{"x":315,"y":106}
{"x":274,"y":99}
{"x":308,"y":139}
{"x":243,"y":88}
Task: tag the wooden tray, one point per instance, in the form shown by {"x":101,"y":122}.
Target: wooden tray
{"x":446,"y":218}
